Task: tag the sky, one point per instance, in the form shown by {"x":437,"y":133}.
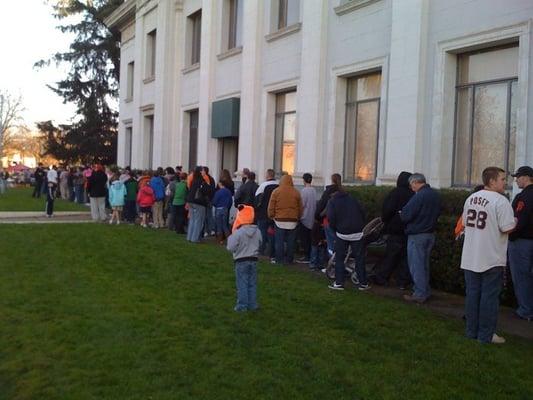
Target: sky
{"x":28,"y":34}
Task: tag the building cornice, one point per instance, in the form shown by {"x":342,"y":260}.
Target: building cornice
{"x":122,"y":15}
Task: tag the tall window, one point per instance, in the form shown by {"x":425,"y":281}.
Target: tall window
{"x":235,"y":24}
{"x":485,"y":113}
{"x":195,"y":22}
{"x":285,"y":134}
{"x":150,"y":54}
{"x":193,"y":139}
{"x":362,"y":126}
{"x":288,"y":13}
{"x":128,"y":146}
{"x":149,"y":132}
{"x":129,"y":81}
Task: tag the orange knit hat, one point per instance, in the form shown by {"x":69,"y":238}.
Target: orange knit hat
{"x":245,"y":216}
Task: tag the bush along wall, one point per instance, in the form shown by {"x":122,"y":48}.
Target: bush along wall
{"x":446,"y":273}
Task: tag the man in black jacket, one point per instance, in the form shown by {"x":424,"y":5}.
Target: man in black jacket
{"x":347,"y":219}
{"x":97,"y":188}
{"x":246,"y":192}
{"x":521,"y":244}
{"x":39,"y":178}
{"x":396,"y":251}
{"x":261,"y":199}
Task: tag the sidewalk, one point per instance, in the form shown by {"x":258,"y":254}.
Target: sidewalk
{"x":447,"y":304}
{"x":38,"y":217}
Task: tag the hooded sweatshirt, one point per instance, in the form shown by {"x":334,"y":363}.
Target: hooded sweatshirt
{"x":146,"y":197}
{"x":117,"y":194}
{"x":244,"y":243}
{"x":394,"y":202}
{"x":285,"y":203}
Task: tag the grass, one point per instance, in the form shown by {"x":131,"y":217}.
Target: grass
{"x":100,"y":312}
{"x":19,"y":199}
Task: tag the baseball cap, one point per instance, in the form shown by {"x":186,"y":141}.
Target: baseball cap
{"x":523,"y":171}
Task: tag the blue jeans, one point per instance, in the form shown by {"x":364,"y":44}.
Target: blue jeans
{"x":318,"y":256}
{"x":330,"y":238}
{"x":282,"y":237}
{"x":221,"y":218}
{"x":267,"y":245}
{"x":196,"y":222}
{"x":358,"y":253}
{"x":246,"y":280}
{"x":481,"y":303}
{"x":78,"y":194}
{"x":418,"y":251}
{"x":521,"y":262}
{"x":209,"y":220}
{"x":130,"y":210}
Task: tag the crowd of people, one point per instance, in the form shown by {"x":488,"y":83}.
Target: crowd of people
{"x":274,"y":219}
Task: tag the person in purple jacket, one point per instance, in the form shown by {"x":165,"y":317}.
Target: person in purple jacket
{"x":222,"y":203}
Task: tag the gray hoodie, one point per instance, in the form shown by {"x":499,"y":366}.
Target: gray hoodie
{"x":244,"y":242}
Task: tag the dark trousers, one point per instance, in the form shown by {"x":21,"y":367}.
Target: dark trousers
{"x":130,"y":210}
{"x":180,"y":216}
{"x":482,"y":302}
{"x":304,"y":234}
{"x":358,"y":253}
{"x":395,"y":261}
{"x":37,"y":189}
{"x":267,"y":244}
{"x":50,"y":197}
{"x":284,"y":245}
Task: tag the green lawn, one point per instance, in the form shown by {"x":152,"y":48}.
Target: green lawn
{"x":19,"y":199}
{"x":101,"y":312}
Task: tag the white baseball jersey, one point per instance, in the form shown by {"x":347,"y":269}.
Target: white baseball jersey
{"x":486,"y":215}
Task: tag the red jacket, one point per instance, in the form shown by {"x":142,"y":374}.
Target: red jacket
{"x":146,"y":196}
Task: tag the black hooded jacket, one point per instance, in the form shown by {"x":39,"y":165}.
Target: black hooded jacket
{"x":394,"y":202}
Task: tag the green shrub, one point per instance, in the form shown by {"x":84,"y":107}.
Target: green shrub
{"x":446,"y":255}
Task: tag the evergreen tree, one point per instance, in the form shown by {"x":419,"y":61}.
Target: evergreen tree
{"x":91,"y":84}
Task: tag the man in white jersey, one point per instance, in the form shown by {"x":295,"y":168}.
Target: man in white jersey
{"x":488,"y":218}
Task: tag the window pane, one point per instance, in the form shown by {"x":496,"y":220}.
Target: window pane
{"x":289,"y":127}
{"x":367,"y":141}
{"x":293,"y":12}
{"x":352,"y":90}
{"x":278,"y":142}
{"x":368,"y":87}
{"x":490,"y":112}
{"x":512,"y":129}
{"x":288,"y":158}
{"x":286,"y":102}
{"x":488,"y":65}
{"x":229,"y":154}
{"x":349,"y":143}
{"x":462,"y":136}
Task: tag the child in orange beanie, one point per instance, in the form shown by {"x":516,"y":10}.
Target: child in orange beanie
{"x":244,"y":243}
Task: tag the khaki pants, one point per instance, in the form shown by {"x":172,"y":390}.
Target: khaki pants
{"x":157,"y":214}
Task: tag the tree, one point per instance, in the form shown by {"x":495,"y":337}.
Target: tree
{"x":91,"y":84}
{"x":10,"y":114}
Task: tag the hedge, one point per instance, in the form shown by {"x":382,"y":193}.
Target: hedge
{"x":446,"y":255}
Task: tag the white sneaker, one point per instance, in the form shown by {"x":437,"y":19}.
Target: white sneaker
{"x":334,"y":286}
{"x":497,"y":339}
{"x":110,"y":222}
{"x":118,"y":222}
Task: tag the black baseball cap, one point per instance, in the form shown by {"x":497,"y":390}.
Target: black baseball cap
{"x":523,"y":171}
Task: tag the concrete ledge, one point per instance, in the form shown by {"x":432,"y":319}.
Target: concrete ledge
{"x":38,"y":214}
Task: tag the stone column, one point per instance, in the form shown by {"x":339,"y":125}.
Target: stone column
{"x":406,"y":96}
{"x":311,"y":89}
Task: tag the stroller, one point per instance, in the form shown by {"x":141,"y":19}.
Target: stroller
{"x":371,"y":233}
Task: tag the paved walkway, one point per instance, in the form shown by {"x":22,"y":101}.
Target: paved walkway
{"x":38,"y":217}
{"x":451,"y":305}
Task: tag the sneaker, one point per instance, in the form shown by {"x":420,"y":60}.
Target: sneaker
{"x":334,"y":286}
{"x":110,"y":222}
{"x":323,"y":270}
{"x":362,"y":288}
{"x":118,"y":222}
{"x":272,"y":261}
{"x":302,"y":260}
{"x":413,"y":299}
{"x":497,"y":339}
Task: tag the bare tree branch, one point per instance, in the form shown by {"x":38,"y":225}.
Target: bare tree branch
{"x":10,"y":113}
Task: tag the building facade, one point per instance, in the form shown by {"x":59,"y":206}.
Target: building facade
{"x":367,"y":88}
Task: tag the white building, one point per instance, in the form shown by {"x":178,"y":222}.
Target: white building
{"x":367,"y":88}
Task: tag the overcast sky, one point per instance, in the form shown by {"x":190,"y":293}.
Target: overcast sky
{"x":28,"y":34}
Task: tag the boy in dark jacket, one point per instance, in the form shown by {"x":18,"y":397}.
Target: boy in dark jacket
{"x":244,"y":243}
{"x":396,"y":251}
{"x":222,"y":203}
{"x":347,"y":219}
